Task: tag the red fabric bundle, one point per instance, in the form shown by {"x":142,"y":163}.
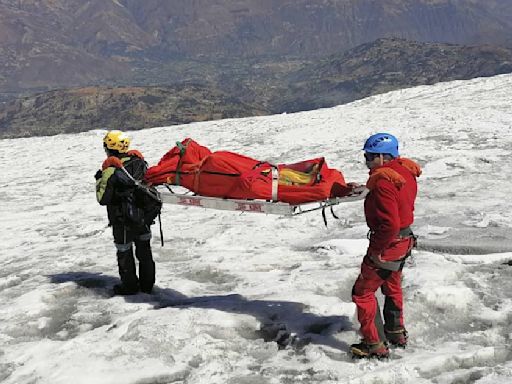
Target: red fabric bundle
{"x":230,"y":175}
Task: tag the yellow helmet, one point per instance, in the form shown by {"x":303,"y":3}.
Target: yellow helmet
{"x":116,"y":141}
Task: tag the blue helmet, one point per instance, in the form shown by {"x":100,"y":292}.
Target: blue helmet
{"x":382,"y":143}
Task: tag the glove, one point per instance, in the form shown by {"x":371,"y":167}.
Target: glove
{"x":134,"y":152}
{"x":112,"y":161}
{"x":98,"y":174}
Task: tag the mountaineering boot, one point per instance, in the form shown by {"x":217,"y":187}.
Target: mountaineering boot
{"x":367,"y":350}
{"x":397,"y":338}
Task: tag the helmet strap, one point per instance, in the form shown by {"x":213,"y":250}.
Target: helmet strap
{"x":111,"y":152}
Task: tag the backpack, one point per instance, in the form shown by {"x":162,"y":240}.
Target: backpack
{"x":140,"y":204}
{"x":132,"y":213}
{"x":148,"y":200}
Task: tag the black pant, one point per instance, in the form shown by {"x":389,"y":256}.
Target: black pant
{"x":124,"y":237}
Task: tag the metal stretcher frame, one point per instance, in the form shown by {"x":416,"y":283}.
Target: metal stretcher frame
{"x":256,"y":206}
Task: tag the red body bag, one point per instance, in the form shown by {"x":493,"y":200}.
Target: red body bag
{"x":230,"y":175}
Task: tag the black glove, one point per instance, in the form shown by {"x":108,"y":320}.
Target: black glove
{"x":98,"y":174}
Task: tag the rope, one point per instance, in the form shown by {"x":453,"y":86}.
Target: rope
{"x":138,"y":184}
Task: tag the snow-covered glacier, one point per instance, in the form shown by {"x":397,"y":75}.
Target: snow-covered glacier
{"x":221,"y":275}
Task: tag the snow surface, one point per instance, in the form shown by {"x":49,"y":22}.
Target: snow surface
{"x":223,"y":275}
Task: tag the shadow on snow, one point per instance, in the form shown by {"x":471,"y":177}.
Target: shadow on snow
{"x":284,"y":322}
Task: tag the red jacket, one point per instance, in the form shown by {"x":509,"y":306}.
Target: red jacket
{"x":389,"y":206}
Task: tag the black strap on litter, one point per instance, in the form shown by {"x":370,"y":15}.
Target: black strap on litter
{"x":325,"y":217}
{"x":169,"y":188}
{"x":161,"y":232}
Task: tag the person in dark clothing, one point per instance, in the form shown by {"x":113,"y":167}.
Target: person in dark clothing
{"x":115,"y":188}
{"x":389,"y":212}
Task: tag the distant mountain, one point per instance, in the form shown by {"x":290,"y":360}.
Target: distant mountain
{"x":380,"y":66}
{"x":48,"y":44}
{"x":385,"y":65}
{"x":83,"y":109}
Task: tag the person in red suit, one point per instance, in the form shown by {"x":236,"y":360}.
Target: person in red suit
{"x":389,"y":212}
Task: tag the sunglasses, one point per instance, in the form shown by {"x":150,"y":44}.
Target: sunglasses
{"x":370,"y":156}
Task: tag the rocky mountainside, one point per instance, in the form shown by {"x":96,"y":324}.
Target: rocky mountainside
{"x":48,"y":44}
{"x":385,"y":65}
{"x":380,"y":66}
{"x":83,"y":109}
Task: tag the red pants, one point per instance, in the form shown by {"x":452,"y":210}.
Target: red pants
{"x":370,"y":279}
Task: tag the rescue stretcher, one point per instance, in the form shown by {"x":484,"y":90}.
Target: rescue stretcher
{"x":169,"y":196}
{"x":189,"y":174}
